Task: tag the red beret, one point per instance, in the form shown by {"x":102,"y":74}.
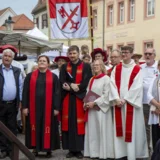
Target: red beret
{"x":61,"y":57}
{"x":99,"y":50}
{"x":8,"y":46}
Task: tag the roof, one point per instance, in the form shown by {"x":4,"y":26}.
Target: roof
{"x":40,"y":6}
{"x":3,"y":10}
{"x":22,"y":22}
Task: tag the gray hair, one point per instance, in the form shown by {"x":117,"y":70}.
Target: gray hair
{"x":116,"y":50}
{"x":8,"y":51}
{"x":154,"y":51}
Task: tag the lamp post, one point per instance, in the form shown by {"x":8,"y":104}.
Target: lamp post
{"x":9,"y":24}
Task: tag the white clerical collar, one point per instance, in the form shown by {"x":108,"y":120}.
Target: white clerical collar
{"x":129,"y":64}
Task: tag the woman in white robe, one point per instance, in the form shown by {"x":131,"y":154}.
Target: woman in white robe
{"x":99,"y":127}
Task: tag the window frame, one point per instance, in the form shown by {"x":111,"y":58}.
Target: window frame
{"x":95,"y":26}
{"x":44,"y":20}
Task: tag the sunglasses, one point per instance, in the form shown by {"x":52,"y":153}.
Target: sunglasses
{"x":148,"y":54}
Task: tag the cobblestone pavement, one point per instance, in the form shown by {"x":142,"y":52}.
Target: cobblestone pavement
{"x":56,"y":155}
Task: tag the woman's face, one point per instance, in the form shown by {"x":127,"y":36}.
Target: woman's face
{"x":42,"y":63}
{"x":97,"y":67}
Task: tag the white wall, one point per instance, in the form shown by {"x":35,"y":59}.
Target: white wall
{"x":44,"y":30}
{"x":5,"y":16}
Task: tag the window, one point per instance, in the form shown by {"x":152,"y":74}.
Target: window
{"x":37,"y":22}
{"x":131,"y":45}
{"x":95,"y":18}
{"x":121,"y":12}
{"x":148,"y":45}
{"x":109,"y":49}
{"x":150,"y":7}
{"x":120,"y":46}
{"x":110,"y":16}
{"x":44,"y":21}
{"x":131,"y":10}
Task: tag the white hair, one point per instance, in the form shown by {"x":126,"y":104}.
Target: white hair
{"x":8,"y":51}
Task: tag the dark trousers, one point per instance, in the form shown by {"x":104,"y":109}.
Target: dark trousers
{"x":146,"y":110}
{"x":155,"y":134}
{"x":8,"y":113}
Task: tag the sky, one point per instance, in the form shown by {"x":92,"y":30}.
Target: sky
{"x":19,"y":6}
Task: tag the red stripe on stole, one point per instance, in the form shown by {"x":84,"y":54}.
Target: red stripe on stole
{"x":79,"y":104}
{"x":129,"y":114}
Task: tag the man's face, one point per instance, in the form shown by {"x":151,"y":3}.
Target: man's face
{"x":60,"y":62}
{"x":7,"y":58}
{"x":73,"y":55}
{"x":149,"y":55}
{"x":126,"y":55}
{"x":115,"y":58}
{"x":99,"y":56}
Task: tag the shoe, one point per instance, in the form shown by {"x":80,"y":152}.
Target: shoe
{"x":3,"y":155}
{"x":79,"y":155}
{"x":35,"y":153}
{"x":69,"y":155}
{"x":48,"y":155}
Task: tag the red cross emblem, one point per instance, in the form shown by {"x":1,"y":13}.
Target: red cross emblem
{"x":68,"y":17}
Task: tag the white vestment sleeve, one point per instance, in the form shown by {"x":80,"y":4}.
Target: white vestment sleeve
{"x":135,"y":93}
{"x":103,"y":101}
{"x":149,"y":94}
{"x":113,"y":94}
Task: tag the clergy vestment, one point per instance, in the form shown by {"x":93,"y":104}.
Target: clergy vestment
{"x":99,"y":127}
{"x":42,"y":134}
{"x":73,"y":125}
{"x":129,"y":129}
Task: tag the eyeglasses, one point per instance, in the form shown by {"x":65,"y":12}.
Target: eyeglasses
{"x":147,"y":53}
{"x":124,"y":52}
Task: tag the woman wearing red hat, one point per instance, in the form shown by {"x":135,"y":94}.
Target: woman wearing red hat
{"x":60,"y":60}
{"x":99,"y":54}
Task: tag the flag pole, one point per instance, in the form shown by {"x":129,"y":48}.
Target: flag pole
{"x":91,"y":22}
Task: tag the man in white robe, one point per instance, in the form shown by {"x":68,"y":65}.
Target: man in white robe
{"x":126,"y":93}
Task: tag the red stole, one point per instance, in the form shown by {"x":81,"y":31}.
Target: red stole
{"x":90,"y":87}
{"x":48,"y":108}
{"x":129,"y":114}
{"x":79,"y":104}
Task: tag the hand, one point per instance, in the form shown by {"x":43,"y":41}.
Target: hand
{"x":75,"y":87}
{"x":25,"y":112}
{"x":123,"y":101}
{"x":90,"y":105}
{"x":158,"y":106}
{"x":56,"y":112}
{"x":66,"y":87}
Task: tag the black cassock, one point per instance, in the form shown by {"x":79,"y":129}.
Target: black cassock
{"x":71,"y":140}
{"x":40,"y":112}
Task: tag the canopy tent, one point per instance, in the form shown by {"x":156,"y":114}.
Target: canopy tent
{"x":37,"y":33}
{"x":27,"y":43}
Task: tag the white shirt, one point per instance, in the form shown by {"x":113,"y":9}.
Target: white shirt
{"x":149,"y":74}
{"x":56,"y":72}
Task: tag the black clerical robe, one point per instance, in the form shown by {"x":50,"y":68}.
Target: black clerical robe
{"x":40,"y":100}
{"x":71,"y":140}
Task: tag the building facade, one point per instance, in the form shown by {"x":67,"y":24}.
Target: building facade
{"x":124,"y":22}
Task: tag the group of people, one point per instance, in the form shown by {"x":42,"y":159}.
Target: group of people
{"x":103,"y":109}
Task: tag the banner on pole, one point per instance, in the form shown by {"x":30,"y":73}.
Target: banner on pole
{"x":68,"y":19}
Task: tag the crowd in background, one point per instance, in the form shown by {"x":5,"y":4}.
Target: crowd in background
{"x":105,"y":105}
